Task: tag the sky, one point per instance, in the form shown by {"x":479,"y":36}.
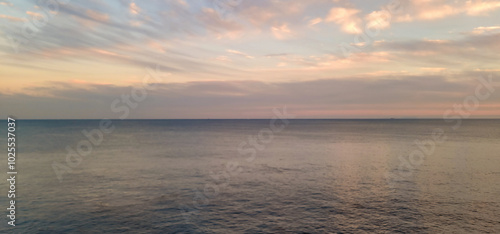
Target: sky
{"x":71,"y":59}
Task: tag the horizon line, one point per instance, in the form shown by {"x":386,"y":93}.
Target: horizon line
{"x":495,"y":118}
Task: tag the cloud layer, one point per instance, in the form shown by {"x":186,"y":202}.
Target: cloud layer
{"x":349,"y":97}
{"x":242,"y":58}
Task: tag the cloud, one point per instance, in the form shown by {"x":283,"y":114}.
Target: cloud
{"x":347,"y":18}
{"x":223,"y":59}
{"x":472,"y":51}
{"x":12,"y":18}
{"x":357,"y":97}
{"x":277,"y":55}
{"x":434,"y":10}
{"x":221,"y":26}
{"x":480,"y":7}
{"x":433,"y":69}
{"x":134,"y":9}
{"x":379,"y":19}
{"x":483,"y":30}
{"x":235,"y":52}
{"x":33,"y":14}
{"x":97,"y":16}
{"x":281,"y":32}
{"x":262,"y":13}
{"x":315,"y":21}
{"x":6,"y":4}
{"x":89,"y":33}
{"x":281,"y":19}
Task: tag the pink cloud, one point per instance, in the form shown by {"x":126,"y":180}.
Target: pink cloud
{"x":134,"y":9}
{"x":281,"y":32}
{"x":101,"y":17}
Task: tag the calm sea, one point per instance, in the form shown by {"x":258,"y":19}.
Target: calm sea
{"x":221,"y":176}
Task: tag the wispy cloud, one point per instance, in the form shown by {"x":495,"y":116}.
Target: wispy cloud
{"x":264,"y":52}
{"x":12,"y":18}
{"x":235,"y":52}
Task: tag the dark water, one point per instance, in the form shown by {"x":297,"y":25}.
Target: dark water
{"x":315,"y":176}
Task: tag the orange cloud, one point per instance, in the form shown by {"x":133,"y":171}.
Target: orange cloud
{"x":437,"y":12}
{"x":481,"y":7}
{"x":11,"y":18}
{"x":34,"y":14}
{"x":134,"y":9}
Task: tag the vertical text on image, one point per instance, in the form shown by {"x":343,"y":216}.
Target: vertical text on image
{"x":11,"y":172}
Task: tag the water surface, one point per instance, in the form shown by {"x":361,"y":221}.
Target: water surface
{"x":316,"y":176}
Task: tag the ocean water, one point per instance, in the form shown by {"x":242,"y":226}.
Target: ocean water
{"x":206,"y":176}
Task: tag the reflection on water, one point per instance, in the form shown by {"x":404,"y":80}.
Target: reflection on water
{"x":316,"y":176}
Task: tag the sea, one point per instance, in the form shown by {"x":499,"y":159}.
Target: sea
{"x":254,"y":176}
